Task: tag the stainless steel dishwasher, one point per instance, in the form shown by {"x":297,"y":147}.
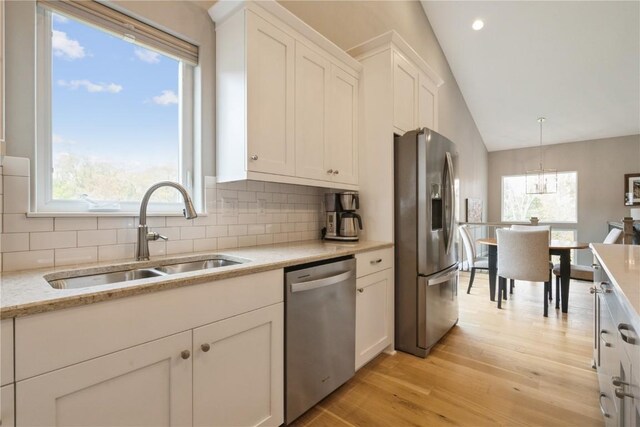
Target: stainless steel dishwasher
{"x":320,"y":319}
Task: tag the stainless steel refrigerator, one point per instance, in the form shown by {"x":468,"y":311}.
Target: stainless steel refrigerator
{"x":426,"y":261}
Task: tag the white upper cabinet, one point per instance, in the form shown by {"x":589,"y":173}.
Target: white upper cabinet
{"x":405,"y":94}
{"x":286,"y":102}
{"x":313,"y":73}
{"x":427,"y":111}
{"x":270,"y":98}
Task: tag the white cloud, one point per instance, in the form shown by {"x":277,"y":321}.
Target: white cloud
{"x":60,"y":19}
{"x":168,"y":97}
{"x":65,"y":47}
{"x":146,"y":55}
{"x":58,"y":139}
{"x":91,"y":86}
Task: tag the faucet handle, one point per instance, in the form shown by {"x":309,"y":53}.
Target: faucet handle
{"x":152,"y":235}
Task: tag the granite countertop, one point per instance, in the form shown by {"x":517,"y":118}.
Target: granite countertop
{"x":622,"y":264}
{"x":27,"y":292}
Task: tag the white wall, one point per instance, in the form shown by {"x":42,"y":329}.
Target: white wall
{"x":601,"y":165}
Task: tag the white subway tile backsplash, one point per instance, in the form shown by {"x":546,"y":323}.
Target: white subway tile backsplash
{"x":116,"y":252}
{"x":244,"y":241}
{"x":64,"y":224}
{"x":179,"y":246}
{"x":15,"y":261}
{"x":105,"y":223}
{"x":52,"y":240}
{"x":227,"y":242}
{"x":15,"y":223}
{"x":254,"y":213}
{"x":15,"y":242}
{"x":217,"y":231}
{"x":16,"y":194}
{"x":238,"y":230}
{"x":15,"y":166}
{"x":200,"y":245}
{"x":97,"y":237}
{"x":72,"y":256}
{"x":193,"y":232}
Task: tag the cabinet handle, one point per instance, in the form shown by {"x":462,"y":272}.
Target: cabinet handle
{"x":330,"y":171}
{"x":254,"y":157}
{"x":205,"y":347}
{"x":361,"y":290}
{"x":185,"y":354}
{"x":606,"y":344}
{"x":625,"y":338}
{"x":594,"y":290}
{"x":606,"y":291}
{"x":617,"y":381}
{"x":621,"y":394}
{"x":336,"y":172}
{"x":376,"y":261}
{"x":604,"y":413}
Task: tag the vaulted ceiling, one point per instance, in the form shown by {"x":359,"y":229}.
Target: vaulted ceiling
{"x":577,"y":63}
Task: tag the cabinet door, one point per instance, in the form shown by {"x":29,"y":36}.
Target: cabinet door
{"x":270,"y":98}
{"x":145,"y":385}
{"x":312,"y":93}
{"x":427,"y":103}
{"x":7,"y":417}
{"x":374,"y":315}
{"x":239,"y":370}
{"x":405,"y":94}
{"x":343,"y":142}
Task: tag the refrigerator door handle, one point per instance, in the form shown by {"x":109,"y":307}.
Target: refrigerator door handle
{"x":449,"y":197}
{"x":446,"y":276}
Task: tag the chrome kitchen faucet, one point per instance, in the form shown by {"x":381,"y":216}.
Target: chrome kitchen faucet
{"x":144,"y":235}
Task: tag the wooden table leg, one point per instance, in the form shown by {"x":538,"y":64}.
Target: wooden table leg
{"x":493,"y":270}
{"x":565,"y":278}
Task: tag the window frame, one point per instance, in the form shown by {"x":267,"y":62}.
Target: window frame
{"x":44,"y":142}
{"x":502,"y":179}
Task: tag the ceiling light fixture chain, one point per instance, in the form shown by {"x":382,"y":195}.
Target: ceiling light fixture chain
{"x":541,"y":180}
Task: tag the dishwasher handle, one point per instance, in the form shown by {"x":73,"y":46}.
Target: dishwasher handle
{"x":320,"y":283}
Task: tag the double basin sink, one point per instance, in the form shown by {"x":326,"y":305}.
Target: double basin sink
{"x":125,"y":275}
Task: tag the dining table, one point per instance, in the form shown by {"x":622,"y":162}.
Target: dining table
{"x":556,"y":247}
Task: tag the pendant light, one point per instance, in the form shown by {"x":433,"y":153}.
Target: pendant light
{"x":541,"y":180}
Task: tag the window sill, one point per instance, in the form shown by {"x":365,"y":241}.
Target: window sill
{"x":103,"y":214}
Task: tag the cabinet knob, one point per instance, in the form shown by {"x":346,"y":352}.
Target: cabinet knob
{"x":336,"y":172}
{"x":254,"y":157}
{"x":361,"y":290}
{"x":376,"y":261}
{"x":205,"y":347}
{"x":330,"y":171}
{"x":594,"y":290}
{"x":621,"y":394}
{"x":185,"y":354}
{"x":602,"y":410}
{"x":622,"y":329}
{"x":603,"y":289}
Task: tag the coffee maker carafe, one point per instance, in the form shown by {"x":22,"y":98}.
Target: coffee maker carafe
{"x":342,"y":221}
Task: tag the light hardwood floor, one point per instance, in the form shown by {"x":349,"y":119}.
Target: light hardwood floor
{"x":509,"y":367}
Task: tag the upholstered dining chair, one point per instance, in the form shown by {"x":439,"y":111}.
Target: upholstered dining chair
{"x":526,"y":227}
{"x":474,"y":262}
{"x":523,"y":255}
{"x":584,"y":272}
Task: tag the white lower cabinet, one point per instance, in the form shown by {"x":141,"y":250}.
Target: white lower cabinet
{"x":209,"y":355}
{"x":145,"y":385}
{"x":374,"y":304}
{"x":238,"y":370}
{"x":7,"y":416}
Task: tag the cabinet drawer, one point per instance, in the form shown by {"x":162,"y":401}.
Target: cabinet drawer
{"x":93,"y":330}
{"x":374,"y":261}
{"x":6,"y":352}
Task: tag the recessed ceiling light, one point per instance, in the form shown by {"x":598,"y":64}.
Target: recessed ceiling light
{"x":477,"y":24}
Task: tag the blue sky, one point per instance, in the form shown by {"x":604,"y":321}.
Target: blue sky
{"x":112,"y":99}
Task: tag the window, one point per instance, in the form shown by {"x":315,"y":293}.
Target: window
{"x":561,"y":206}
{"x":114,"y":113}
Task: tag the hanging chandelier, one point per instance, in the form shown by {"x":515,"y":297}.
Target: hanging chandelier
{"x":541,"y":180}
